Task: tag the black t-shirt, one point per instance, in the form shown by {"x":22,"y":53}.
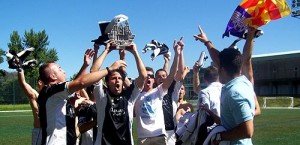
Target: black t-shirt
{"x":87,"y":113}
{"x":168,"y":108}
{"x":116,"y":129}
{"x":70,"y":119}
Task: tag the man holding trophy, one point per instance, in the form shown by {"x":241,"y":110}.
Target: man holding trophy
{"x":116,"y":96}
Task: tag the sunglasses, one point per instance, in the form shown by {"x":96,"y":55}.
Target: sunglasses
{"x":150,"y":75}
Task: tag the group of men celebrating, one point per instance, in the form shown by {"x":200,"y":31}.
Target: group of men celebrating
{"x":64,"y":110}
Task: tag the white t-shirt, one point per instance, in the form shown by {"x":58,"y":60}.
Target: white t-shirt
{"x":149,"y":113}
{"x":57,"y":115}
{"x":210,"y":96}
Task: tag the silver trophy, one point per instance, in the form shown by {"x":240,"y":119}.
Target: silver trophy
{"x":201,"y":60}
{"x":120,"y":32}
{"x":116,"y":30}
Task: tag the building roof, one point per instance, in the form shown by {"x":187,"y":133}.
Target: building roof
{"x":275,"y":56}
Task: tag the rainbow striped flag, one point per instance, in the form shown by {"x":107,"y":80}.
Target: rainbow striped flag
{"x":255,"y":13}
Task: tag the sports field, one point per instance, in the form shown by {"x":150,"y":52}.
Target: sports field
{"x":273,"y":127}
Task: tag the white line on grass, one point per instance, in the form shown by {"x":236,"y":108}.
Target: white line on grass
{"x":16,"y":111}
{"x":15,"y":116}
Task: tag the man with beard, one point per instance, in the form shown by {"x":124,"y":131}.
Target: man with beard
{"x":115,"y":102}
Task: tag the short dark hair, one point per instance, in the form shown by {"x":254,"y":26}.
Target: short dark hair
{"x":211,"y":74}
{"x":42,"y":72}
{"x":149,"y":69}
{"x":156,"y":73}
{"x":122,"y":73}
{"x":231,"y":61}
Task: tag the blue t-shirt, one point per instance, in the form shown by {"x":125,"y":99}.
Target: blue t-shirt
{"x":237,"y":105}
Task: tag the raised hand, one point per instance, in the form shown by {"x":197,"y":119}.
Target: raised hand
{"x":167,"y":58}
{"x":180,"y":43}
{"x":110,"y":46}
{"x":196,"y":68}
{"x":202,"y":36}
{"x":117,"y":64}
{"x":186,"y":70}
{"x":251,"y":32}
{"x":131,"y":48}
{"x":178,"y":46}
{"x":88,"y":56}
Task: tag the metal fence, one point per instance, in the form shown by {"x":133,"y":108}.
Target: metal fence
{"x":11,"y":92}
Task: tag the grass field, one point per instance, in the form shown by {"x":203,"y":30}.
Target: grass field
{"x":273,"y":127}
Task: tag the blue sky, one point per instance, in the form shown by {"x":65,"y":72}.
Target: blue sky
{"x":72,"y":24}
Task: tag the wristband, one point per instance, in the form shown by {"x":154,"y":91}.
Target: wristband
{"x":205,"y":43}
{"x":19,"y":69}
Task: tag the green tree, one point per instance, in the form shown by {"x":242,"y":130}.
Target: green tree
{"x":2,"y":53}
{"x":38,"y":40}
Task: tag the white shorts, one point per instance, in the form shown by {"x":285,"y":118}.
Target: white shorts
{"x":36,"y":136}
{"x":157,"y":140}
{"x":87,"y":137}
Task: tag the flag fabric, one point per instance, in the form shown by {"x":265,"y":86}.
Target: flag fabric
{"x":255,"y":13}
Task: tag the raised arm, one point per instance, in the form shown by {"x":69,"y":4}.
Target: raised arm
{"x":177,"y":49}
{"x":247,"y":63}
{"x":185,"y":72}
{"x":140,"y":66}
{"x":98,"y":63}
{"x":247,"y":55}
{"x":196,"y":79}
{"x":88,"y":55}
{"x":93,"y":77}
{"x":122,"y":54}
{"x":213,"y":52}
{"x":96,"y":49}
{"x":167,"y":61}
{"x":31,"y":93}
{"x":180,"y":74}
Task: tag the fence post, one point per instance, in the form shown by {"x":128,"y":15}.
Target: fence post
{"x":14,"y":94}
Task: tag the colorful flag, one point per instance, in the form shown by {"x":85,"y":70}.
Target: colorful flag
{"x":255,"y":13}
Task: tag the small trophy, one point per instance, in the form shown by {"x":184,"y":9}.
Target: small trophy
{"x":201,"y":60}
{"x":121,"y":34}
{"x":116,"y":30}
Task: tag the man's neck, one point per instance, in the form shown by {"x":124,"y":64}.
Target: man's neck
{"x":113,"y":95}
{"x":181,"y":101}
{"x":232,"y":77}
{"x":147,"y":89}
{"x":53,"y":82}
